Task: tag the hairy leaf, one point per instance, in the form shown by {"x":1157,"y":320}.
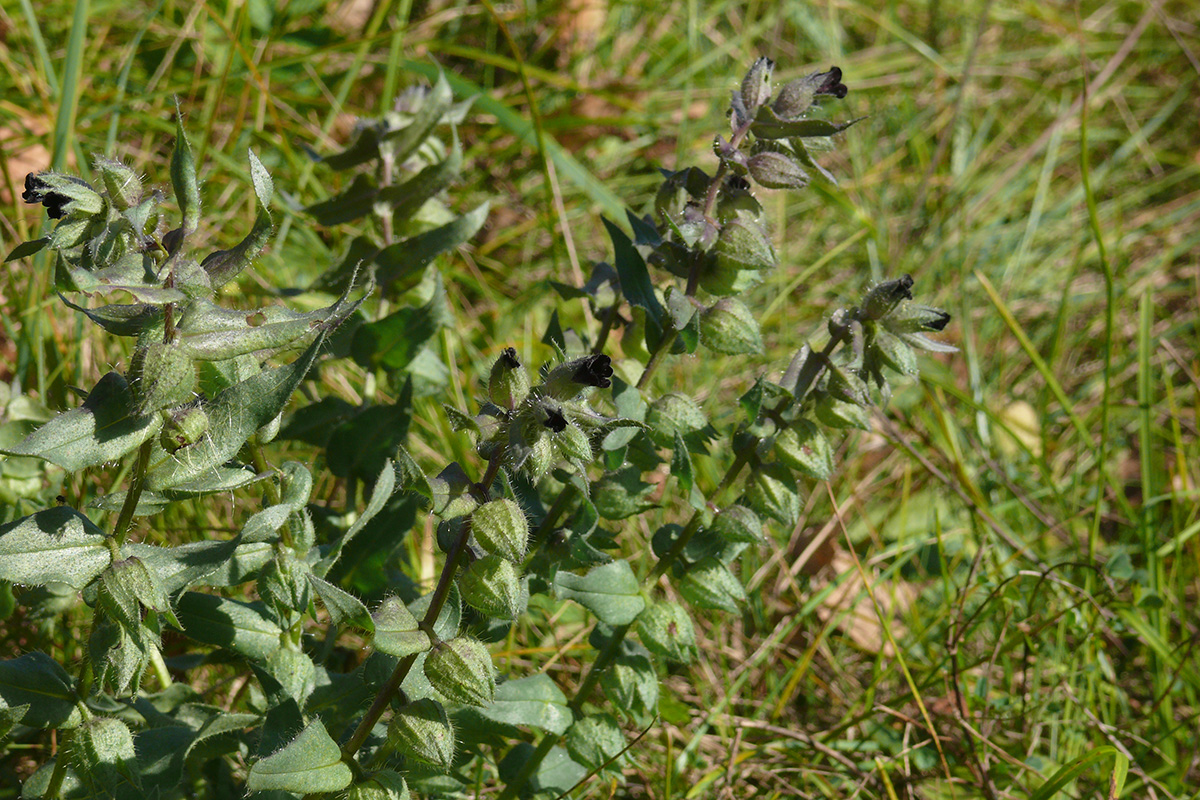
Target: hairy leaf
{"x":104,"y":428}
{"x":58,"y":544}
{"x":535,"y":701}
{"x":244,"y":628}
{"x":310,"y":763}
{"x":610,"y":591}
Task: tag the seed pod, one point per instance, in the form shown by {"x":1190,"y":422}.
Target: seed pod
{"x":729,"y":327}
{"x":883,"y":299}
{"x":500,"y":527}
{"x":573,"y":444}
{"x":796,"y":97}
{"x":673,"y":413}
{"x":422,"y":731}
{"x":738,"y":524}
{"x":383,"y":785}
{"x":62,"y":195}
{"x":666,"y":630}
{"x":803,"y":447}
{"x":461,"y":670}
{"x":776,"y":170}
{"x":493,"y":586}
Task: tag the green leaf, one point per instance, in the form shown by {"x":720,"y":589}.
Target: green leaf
{"x":396,"y":630}
{"x":622,"y":494}
{"x":805,"y":448}
{"x":356,"y":201}
{"x":103,"y":429}
{"x":161,"y":751}
{"x":223,"y":266}
{"x":395,"y":340}
{"x":342,"y":606}
{"x":555,"y":776}
{"x":596,"y":740}
{"x":211,"y":333}
{"x":311,"y":763}
{"x":768,"y":125}
{"x":404,"y":262}
{"x":408,"y":197}
{"x":535,"y":701}
{"x":183,"y":178}
{"x":610,"y":591}
{"x":179,"y":567}
{"x":236,"y":414}
{"x":666,"y":630}
{"x":635,"y":279}
{"x":244,"y":628}
{"x":404,"y":141}
{"x":26,"y":249}
{"x":130,"y":319}
{"x":385,"y":485}
{"x":1072,"y":770}
{"x":55,"y":545}
{"x":11,"y":716}
{"x":41,"y":682}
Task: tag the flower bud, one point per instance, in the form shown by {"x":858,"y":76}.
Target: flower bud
{"x":492,"y":585}
{"x":500,"y":527}
{"x":182,"y":426}
{"x":756,"y":86}
{"x":508,"y":384}
{"x":738,"y":524}
{"x":666,"y":630}
{"x":776,"y":170}
{"x":567,"y":380}
{"x":123,"y":185}
{"x":729,"y":327}
{"x":422,"y":731}
{"x":461,"y":670}
{"x":161,"y":376}
{"x":62,"y":195}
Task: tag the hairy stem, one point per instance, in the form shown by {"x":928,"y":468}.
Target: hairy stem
{"x":121,"y":529}
{"x":437,"y":601}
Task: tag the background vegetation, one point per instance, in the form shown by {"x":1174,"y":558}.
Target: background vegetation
{"x":1012,"y":560}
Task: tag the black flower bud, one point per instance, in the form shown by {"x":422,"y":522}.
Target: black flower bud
{"x":62,"y":195}
{"x":567,"y":380}
{"x":796,"y":97}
